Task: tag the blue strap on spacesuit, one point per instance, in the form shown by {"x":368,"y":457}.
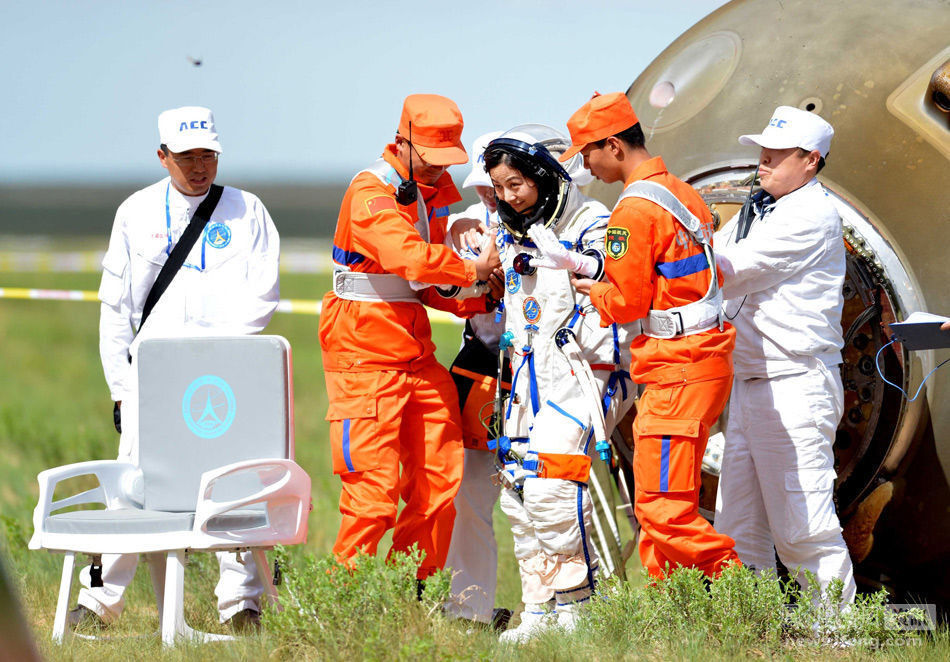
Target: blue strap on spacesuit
{"x":532,"y":377}
{"x":499,"y":311}
{"x":618,"y":377}
{"x":578,"y":313}
{"x":579,"y":244}
{"x":501,"y":444}
{"x":532,"y":384}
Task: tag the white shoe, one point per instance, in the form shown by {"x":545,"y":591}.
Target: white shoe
{"x":568,"y":616}
{"x":535,"y":619}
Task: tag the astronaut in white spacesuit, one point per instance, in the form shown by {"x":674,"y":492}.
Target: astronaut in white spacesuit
{"x":569,"y":387}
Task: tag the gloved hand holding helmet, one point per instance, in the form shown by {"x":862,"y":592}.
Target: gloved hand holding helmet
{"x":555,"y":255}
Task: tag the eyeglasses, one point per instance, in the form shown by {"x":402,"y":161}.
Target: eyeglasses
{"x":206,"y":159}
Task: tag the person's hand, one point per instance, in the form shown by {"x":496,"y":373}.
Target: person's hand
{"x":554,"y":255}
{"x":488,"y":260}
{"x":582,"y":285}
{"x":467,"y":233}
{"x":945,"y":326}
{"x":496,"y":284}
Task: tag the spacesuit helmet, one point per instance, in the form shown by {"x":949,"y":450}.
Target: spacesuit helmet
{"x":533,"y":149}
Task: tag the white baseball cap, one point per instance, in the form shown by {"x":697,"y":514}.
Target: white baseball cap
{"x":478,"y":176}
{"x":188,"y":127}
{"x":793,"y":127}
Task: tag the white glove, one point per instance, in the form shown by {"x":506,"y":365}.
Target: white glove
{"x":554,"y":255}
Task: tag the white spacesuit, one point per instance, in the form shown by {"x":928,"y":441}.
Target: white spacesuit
{"x":569,"y":387}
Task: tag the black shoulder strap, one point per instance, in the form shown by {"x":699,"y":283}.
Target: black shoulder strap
{"x":180,"y":251}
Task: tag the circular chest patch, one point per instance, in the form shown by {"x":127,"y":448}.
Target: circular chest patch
{"x":531,"y":309}
{"x":208,"y":406}
{"x":218,"y":235}
{"x":512,"y":281}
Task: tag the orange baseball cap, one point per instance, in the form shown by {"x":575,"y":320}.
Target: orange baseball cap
{"x":603,"y":116}
{"x":436,"y":128}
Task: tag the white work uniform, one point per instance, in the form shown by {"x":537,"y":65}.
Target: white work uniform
{"x":783,"y":284}
{"x":228,"y":285}
{"x":473,"y":551}
{"x":550,"y":413}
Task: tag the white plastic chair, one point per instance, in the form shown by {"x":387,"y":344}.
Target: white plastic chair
{"x":215,"y":470}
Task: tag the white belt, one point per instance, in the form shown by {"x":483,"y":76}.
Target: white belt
{"x":685,"y":320}
{"x":354,"y":286}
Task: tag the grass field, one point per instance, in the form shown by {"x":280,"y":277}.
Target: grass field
{"x":55,"y":409}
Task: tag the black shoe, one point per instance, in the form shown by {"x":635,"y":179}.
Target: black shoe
{"x":500,"y":618}
{"x":81,"y":617}
{"x":246,"y":621}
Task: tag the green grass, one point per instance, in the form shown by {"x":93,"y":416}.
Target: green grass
{"x":55,"y":409}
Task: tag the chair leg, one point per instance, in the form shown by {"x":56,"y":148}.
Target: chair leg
{"x":173,"y":606}
{"x":263,"y":571}
{"x":156,"y":569}
{"x":62,"y":603}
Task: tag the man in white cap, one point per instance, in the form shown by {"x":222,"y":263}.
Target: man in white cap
{"x":783,"y":264}
{"x":473,"y":552}
{"x":228,"y":284}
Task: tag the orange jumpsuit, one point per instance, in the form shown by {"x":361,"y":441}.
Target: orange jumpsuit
{"x":390,"y":402}
{"x":653,"y":263}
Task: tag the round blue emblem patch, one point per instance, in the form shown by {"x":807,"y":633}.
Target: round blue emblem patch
{"x":512,"y":281}
{"x":208,"y":406}
{"x":218,"y":235}
{"x":531,"y":309}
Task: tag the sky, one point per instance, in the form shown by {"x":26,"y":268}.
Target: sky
{"x":301,"y":91}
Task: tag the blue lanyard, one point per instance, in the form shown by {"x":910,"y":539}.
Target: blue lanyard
{"x":168,"y":233}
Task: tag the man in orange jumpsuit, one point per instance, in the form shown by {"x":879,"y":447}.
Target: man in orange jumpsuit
{"x":661,"y":271}
{"x":390,"y":402}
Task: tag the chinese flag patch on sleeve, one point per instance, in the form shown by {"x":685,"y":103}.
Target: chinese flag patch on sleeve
{"x":380,"y":203}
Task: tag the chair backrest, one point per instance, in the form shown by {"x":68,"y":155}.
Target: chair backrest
{"x":207,"y":402}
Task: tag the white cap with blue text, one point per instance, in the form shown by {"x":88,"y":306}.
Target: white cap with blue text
{"x":188,"y":127}
{"x":793,"y":127}
{"x":478,"y":176}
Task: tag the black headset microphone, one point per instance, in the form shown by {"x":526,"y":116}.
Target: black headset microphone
{"x":408,"y":190}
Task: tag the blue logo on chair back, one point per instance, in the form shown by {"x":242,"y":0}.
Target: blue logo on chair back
{"x":218,"y":235}
{"x":208,"y":406}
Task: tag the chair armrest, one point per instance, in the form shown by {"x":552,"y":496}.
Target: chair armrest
{"x":113,"y":477}
{"x":285,"y":491}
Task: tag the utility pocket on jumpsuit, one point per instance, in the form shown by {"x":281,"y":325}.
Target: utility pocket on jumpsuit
{"x":145,"y":263}
{"x":112,"y":285}
{"x":665,"y":453}
{"x":353,"y":434}
{"x":809,"y":506}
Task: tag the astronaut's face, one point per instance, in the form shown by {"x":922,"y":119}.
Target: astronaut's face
{"x":513,"y":187}
{"x":782,"y":171}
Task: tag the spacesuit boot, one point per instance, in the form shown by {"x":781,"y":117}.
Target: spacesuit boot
{"x":568,"y":615}
{"x":535,"y":619}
